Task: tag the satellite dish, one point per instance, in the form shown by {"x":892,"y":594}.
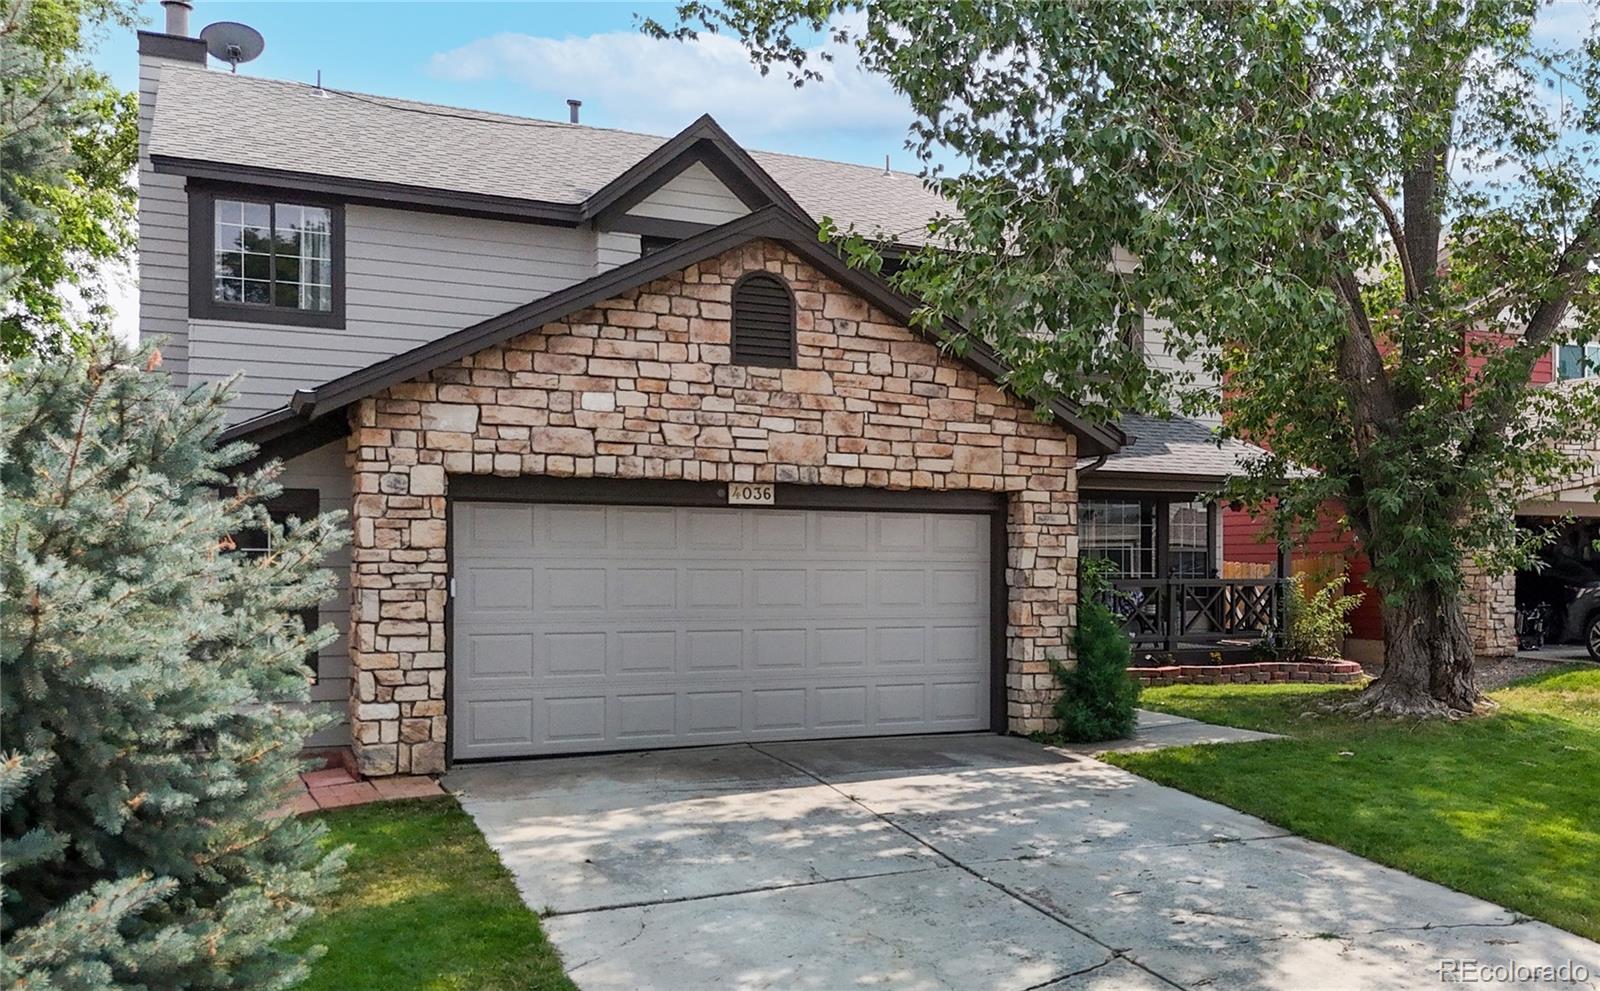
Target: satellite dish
{"x":232,"y":42}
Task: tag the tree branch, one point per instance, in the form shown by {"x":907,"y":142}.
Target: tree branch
{"x":1397,"y":235}
{"x":1573,"y":263}
{"x":1495,"y":409}
{"x":1361,"y":366}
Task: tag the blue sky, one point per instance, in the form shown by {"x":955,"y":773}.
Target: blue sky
{"x":528,"y":58}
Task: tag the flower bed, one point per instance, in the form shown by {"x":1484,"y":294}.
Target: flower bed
{"x":1319,"y":671}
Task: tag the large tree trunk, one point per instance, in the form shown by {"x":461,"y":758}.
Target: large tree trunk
{"x":1427,"y":669}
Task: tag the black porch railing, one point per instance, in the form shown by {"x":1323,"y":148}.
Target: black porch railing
{"x":1192,"y":616}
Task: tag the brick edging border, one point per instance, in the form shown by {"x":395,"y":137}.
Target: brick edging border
{"x":1322,"y":672}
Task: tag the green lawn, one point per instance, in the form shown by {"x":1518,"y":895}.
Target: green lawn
{"x":424,"y":904}
{"x":1505,"y":807}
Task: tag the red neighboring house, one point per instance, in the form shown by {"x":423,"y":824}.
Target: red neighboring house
{"x":1571,"y":562}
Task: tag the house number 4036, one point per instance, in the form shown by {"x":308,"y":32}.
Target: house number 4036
{"x":750,"y":494}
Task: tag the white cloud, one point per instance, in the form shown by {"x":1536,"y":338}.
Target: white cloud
{"x":639,"y":83}
{"x":1563,"y":22}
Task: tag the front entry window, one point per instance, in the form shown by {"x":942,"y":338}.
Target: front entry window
{"x":1122,"y":532}
{"x":1188,"y":539}
{"x":1153,"y":536}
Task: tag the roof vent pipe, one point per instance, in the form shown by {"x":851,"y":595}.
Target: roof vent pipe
{"x":572,"y":110}
{"x":178,"y":16}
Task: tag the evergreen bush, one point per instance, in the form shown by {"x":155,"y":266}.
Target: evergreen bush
{"x":152,"y":687}
{"x":1098,"y":697}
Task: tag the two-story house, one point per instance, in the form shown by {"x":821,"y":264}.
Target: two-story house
{"x":630,"y":458}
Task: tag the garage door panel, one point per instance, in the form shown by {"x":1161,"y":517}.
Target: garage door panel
{"x":842,"y":708}
{"x":843,"y":532}
{"x":958,"y":644}
{"x":777,"y":709}
{"x":901,"y":645}
{"x":646,"y":529}
{"x":779,"y":531}
{"x":899,"y":587}
{"x":960,"y":533}
{"x":713,"y":529}
{"x":570,"y":722}
{"x":646,"y":588}
{"x":500,"y":656}
{"x":713,"y":651}
{"x":574,"y":526}
{"x":712,"y":712}
{"x":957,"y":587}
{"x":500,"y":723}
{"x":709,"y":625}
{"x":902,"y":531}
{"x":841,"y":588}
{"x":900,"y":704}
{"x":714,"y":588}
{"x":957,"y":700}
{"x":493,"y":589}
{"x":574,"y":588}
{"x":647,"y":652}
{"x":841,"y":647}
{"x":646,"y":716}
{"x":494,"y":530}
{"x":778,"y":650}
{"x":574,"y":655}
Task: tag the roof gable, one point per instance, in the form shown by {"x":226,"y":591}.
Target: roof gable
{"x":704,"y":142}
{"x":773,"y":222}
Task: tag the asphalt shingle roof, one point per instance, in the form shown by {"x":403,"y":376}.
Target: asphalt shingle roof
{"x":1178,"y":446}
{"x":266,"y":123}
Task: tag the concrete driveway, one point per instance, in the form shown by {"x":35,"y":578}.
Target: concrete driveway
{"x":960,"y":862}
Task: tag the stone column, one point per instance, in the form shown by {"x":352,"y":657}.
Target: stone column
{"x":1042,"y":577}
{"x":1490,"y":604}
{"x":398,"y":592}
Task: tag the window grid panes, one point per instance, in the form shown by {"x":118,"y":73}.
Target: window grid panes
{"x":1188,"y":540}
{"x":1122,"y":532}
{"x":1577,"y":361}
{"x":274,"y":254}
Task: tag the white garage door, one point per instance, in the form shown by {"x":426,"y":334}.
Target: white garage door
{"x":617,"y":627}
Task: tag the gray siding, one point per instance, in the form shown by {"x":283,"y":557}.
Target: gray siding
{"x":163,"y":242}
{"x":613,"y":248}
{"x":324,"y":470}
{"x":409,"y":278}
{"x":1160,"y":355}
{"x":694,"y":195}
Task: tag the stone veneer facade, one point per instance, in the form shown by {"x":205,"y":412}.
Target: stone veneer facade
{"x":641,"y":387}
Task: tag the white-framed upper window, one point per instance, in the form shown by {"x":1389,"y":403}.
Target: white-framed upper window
{"x":1577,"y":361}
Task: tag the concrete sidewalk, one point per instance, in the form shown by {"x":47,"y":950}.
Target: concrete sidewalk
{"x":962,"y":862}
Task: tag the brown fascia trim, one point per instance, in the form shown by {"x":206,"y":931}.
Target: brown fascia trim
{"x":773,"y":222}
{"x":703,"y":141}
{"x":172,"y":46}
{"x":375,"y":193}
{"x":1106,"y":479}
{"x":280,"y":435}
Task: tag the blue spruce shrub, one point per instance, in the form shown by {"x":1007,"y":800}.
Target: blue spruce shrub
{"x":153,"y":689}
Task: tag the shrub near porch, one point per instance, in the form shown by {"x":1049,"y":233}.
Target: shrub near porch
{"x":1499,"y":806}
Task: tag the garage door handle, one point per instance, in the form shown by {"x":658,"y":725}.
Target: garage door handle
{"x":452,"y":588}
